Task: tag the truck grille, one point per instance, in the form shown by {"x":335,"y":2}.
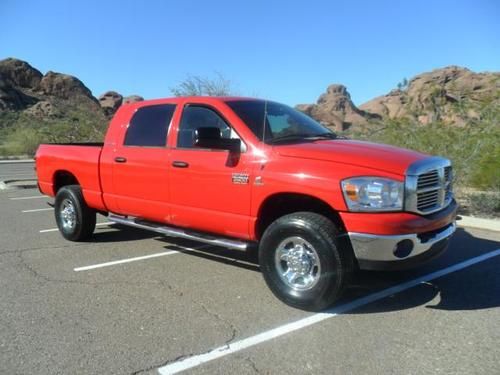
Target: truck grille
{"x":428,"y":186}
{"x":428,"y":179}
{"x":427,"y":200}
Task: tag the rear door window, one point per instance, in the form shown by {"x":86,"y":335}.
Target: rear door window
{"x":149,"y":126}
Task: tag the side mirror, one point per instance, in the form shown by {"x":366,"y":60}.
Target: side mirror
{"x":210,"y":137}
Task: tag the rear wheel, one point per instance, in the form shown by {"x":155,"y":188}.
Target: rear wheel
{"x":302,"y":263}
{"x":75,"y":220}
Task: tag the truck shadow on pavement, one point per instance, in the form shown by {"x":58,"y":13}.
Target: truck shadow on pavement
{"x":120,"y":234}
{"x":473,"y":288}
{"x":247,"y":260}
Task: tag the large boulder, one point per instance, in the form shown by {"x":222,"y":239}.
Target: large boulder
{"x":132,"y":99}
{"x":12,"y":98}
{"x":19,"y":73}
{"x":42,"y":109}
{"x":17,"y":81}
{"x":63,"y":86}
{"x":110,"y":101}
{"x":335,"y":109}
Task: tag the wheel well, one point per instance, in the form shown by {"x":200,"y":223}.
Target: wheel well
{"x":282,"y":204}
{"x":64,"y":178}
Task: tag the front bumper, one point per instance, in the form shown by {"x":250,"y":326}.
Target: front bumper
{"x":386,"y":252}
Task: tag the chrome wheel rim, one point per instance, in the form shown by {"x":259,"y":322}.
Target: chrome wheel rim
{"x":297,"y":263}
{"x":68,"y":214}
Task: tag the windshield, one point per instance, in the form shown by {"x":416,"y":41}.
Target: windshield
{"x":274,"y":123}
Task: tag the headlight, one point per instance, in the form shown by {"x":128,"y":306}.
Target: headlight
{"x":373,"y":194}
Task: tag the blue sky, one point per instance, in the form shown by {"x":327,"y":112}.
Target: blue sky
{"x":288,"y":51}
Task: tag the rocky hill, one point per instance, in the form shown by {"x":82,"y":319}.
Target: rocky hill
{"x":25,"y":89}
{"x":54,"y":107}
{"x":59,"y":107}
{"x":451,"y":95}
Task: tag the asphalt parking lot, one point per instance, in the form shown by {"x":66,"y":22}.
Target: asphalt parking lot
{"x":131,"y":302}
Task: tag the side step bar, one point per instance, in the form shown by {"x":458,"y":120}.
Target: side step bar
{"x":178,"y":232}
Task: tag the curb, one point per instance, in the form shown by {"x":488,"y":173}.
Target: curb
{"x":476,"y":222}
{"x":17,"y":161}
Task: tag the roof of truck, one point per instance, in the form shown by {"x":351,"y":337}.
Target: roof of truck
{"x":202,"y":99}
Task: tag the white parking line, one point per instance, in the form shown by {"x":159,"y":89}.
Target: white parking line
{"x":196,"y":360}
{"x":56,"y":229}
{"x":17,"y":161}
{"x":33,"y":197}
{"x":107,"y":264}
{"x":37,"y":210}
{"x":135,"y":259}
{"x":13,"y":176}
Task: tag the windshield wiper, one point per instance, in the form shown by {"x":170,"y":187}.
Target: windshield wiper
{"x":302,"y":137}
{"x":327,"y":135}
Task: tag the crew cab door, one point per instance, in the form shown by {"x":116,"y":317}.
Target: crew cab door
{"x":209,"y":189}
{"x":141,"y":164}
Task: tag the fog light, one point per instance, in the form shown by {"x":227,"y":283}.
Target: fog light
{"x":403,"y":248}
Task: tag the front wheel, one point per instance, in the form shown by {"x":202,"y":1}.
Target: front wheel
{"x":75,"y":220}
{"x":302,"y":263}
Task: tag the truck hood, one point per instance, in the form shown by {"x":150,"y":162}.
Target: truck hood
{"x":364,"y":154}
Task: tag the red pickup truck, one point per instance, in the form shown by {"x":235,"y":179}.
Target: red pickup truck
{"x":236,"y":172}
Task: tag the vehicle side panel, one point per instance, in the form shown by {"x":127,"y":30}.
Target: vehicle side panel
{"x":80,"y":161}
{"x":319,"y":179}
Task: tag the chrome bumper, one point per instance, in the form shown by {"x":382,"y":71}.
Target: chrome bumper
{"x":398,"y":251}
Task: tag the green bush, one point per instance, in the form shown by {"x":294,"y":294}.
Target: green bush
{"x":23,"y":141}
{"x":20,"y":133}
{"x":482,"y":204}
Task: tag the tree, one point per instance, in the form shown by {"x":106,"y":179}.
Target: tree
{"x":203,"y":86}
{"x":403,"y":85}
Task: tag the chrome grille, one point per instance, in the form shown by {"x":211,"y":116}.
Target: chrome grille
{"x":428,"y":179}
{"x":448,"y":177}
{"x":428,"y":186}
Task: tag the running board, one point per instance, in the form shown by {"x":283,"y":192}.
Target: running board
{"x":178,"y":232}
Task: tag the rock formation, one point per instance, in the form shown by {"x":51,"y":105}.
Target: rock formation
{"x":451,"y":95}
{"x":335,"y":109}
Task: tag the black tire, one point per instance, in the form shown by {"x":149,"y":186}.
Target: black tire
{"x":332,"y":266}
{"x":83,"y":224}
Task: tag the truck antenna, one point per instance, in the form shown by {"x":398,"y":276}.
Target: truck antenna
{"x":264,"y":122}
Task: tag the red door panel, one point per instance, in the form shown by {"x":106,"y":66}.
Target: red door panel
{"x":211,"y":193}
{"x":140,"y":182}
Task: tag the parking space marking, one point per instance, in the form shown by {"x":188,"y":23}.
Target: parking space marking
{"x":17,"y":175}
{"x":37,"y":210}
{"x":135,"y":259}
{"x":122,"y":261}
{"x":32,"y":197}
{"x":197,"y":360}
{"x":56,"y":229}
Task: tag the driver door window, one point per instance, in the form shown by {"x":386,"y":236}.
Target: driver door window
{"x":194,"y":117}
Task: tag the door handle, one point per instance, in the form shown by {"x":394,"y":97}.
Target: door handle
{"x":120,"y":159}
{"x":180,"y":164}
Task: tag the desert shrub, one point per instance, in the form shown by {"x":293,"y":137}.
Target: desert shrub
{"x":482,"y":204}
{"x":204,"y":86}
{"x":474,"y":149}
{"x":24,"y":132}
{"x":23,"y":141}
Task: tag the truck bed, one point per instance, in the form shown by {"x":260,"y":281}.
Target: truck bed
{"x":91,"y":144}
{"x":79,"y":159}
